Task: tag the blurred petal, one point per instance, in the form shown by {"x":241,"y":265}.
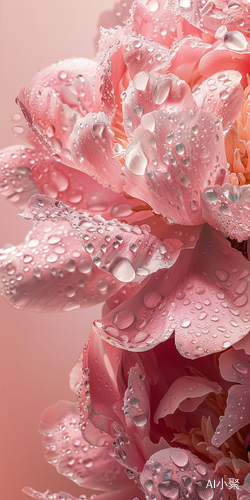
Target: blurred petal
{"x":51,"y":272}
{"x":15,"y":179}
{"x":116,"y":247}
{"x":168,"y":473}
{"x":124,"y":494}
{"x":227,"y":208}
{"x":204,"y":297}
{"x":234,"y":367}
{"x":48,"y":495}
{"x":186,"y":393}
{"x":90,"y":466}
{"x":168,"y":170}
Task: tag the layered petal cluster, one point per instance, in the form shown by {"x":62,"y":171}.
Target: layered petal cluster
{"x":136,"y":176}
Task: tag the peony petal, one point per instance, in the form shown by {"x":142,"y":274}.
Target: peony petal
{"x":204,"y":297}
{"x":151,"y":91}
{"x":185,"y":56}
{"x":167,"y":169}
{"x":186,"y":393}
{"x":92,"y":151}
{"x":127,"y":453}
{"x":15,"y":179}
{"x":171,"y":472}
{"x":116,"y":247}
{"x":221,"y":94}
{"x":244,"y":344}
{"x":90,"y":466}
{"x":227,"y":208}
{"x":145,"y":55}
{"x":124,"y":494}
{"x":75,"y":377}
{"x":72,"y":80}
{"x":50,"y":122}
{"x":51,"y":272}
{"x":234,"y":367}
{"x":136,"y":403}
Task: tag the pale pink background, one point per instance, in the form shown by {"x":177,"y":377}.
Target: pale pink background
{"x":37,"y":351}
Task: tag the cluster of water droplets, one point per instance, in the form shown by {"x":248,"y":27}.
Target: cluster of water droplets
{"x":136,"y":402}
{"x":177,"y":474}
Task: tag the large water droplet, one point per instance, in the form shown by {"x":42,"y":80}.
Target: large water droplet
{"x":234,"y":40}
{"x":85,"y":266}
{"x":169,"y":489}
{"x":141,"y":80}
{"x":240,"y":367}
{"x":221,"y":274}
{"x":70,"y":265}
{"x":179,"y":458}
{"x":153,"y":5}
{"x":123,"y":271}
{"x":124,"y":319}
{"x":161,"y":91}
{"x":140,"y":420}
{"x":96,"y":204}
{"x":151,"y":299}
{"x":136,"y":160}
{"x":203,"y":490}
{"x":52,"y":240}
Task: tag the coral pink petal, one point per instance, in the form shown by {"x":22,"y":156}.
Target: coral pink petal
{"x":50,"y":122}
{"x":92,"y":151}
{"x":204,"y":297}
{"x":153,"y":91}
{"x":72,"y":79}
{"x":136,"y":403}
{"x":121,"y":249}
{"x":186,"y":393}
{"x":50,"y":271}
{"x":171,"y":472}
{"x":90,"y":466}
{"x":221,"y":58}
{"x":185,"y":57}
{"x":234,"y":367}
{"x":167,"y":169}
{"x":15,"y":179}
{"x":227,"y":208}
{"x":222,"y":95}
{"x":145,"y":55}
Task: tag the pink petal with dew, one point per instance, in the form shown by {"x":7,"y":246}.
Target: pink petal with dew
{"x":92,"y":151}
{"x":186,"y":393}
{"x":222,"y":58}
{"x":109,"y":74}
{"x":117,"y":17}
{"x":234,"y":367}
{"x":90,"y":466}
{"x":51,"y":272}
{"x":136,"y":403}
{"x":171,"y":472}
{"x":244,"y":344}
{"x":152,"y":91}
{"x":75,"y":377}
{"x":221,"y":94}
{"x":59,"y":181}
{"x":50,"y":122}
{"x":15,"y":180}
{"x":227,"y":208}
{"x":72,"y":80}
{"x":168,"y":170}
{"x":128,"y":453}
{"x":118,"y":248}
{"x":124,"y":494}
{"x":145,"y":55}
{"x":185,"y":55}
{"x":204,"y":297}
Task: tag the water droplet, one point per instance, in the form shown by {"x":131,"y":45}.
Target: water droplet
{"x":124,"y":319}
{"x":85,"y":266}
{"x":102,"y":285}
{"x":169,"y":489}
{"x":37,"y":273}
{"x":52,"y":240}
{"x":161,"y":91}
{"x":70,"y":265}
{"x":211,"y":196}
{"x":140,"y":420}
{"x":153,"y":5}
{"x":75,"y":196}
{"x":121,"y":210}
{"x":52,"y":257}
{"x":221,"y":274}
{"x":148,"y":484}
{"x":187,"y":481}
{"x":96,"y":204}
{"x":138,"y":111}
{"x":151,"y":299}
{"x":241,"y":301}
{"x":225,"y":345}
{"x":240,"y":367}
{"x":184,"y":180}
{"x":62,"y":75}
{"x":136,"y":160}
{"x":69,"y":291}
{"x":203,"y":490}
{"x":234,"y":40}
{"x":179,"y":458}
{"x":185,"y":323}
{"x":179,"y":148}
{"x":204,"y":152}
{"x":70,"y":306}
{"x":201,"y":468}
{"x":123,"y":271}
{"x":141,"y":80}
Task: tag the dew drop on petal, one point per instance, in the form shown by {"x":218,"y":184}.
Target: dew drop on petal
{"x":141,"y":80}
{"x":161,"y":91}
{"x":221,"y":274}
{"x":235,"y":40}
{"x":151,"y":299}
{"x":124,"y":319}
{"x":136,"y":160}
{"x":203,"y":491}
{"x":123,"y":271}
{"x":140,"y":420}
{"x":169,"y":489}
{"x":179,"y":458}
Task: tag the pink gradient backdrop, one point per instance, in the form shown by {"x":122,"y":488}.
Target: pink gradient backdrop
{"x":37,"y":351}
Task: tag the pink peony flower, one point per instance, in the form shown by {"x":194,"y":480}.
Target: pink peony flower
{"x":139,"y":174}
